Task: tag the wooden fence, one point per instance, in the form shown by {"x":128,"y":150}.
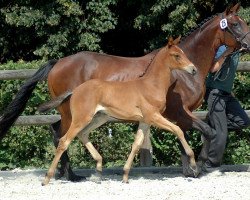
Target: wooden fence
{"x":49,"y":119}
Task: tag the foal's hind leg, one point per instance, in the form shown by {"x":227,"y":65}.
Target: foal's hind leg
{"x":98,"y":120}
{"x":161,"y":122}
{"x":62,"y":146}
{"x":65,"y":169}
{"x":139,"y":137}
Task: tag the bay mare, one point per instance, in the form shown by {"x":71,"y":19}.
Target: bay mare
{"x":147,"y":100}
{"x":185,"y":94}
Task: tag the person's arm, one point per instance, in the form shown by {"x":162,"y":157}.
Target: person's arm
{"x":219,"y":61}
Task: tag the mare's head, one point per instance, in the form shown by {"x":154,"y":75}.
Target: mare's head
{"x":176,"y":58}
{"x":233,"y":30}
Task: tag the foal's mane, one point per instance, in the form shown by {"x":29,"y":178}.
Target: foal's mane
{"x":151,"y":60}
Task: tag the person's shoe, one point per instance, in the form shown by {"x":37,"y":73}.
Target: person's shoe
{"x":209,"y":167}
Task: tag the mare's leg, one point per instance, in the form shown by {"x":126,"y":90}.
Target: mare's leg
{"x":207,"y":134}
{"x":146,"y":151}
{"x":159,"y":121}
{"x":65,"y":169}
{"x":186,"y":121}
{"x":139,"y":137}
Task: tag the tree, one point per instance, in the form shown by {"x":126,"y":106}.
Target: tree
{"x":52,"y":29}
{"x":32,"y":29}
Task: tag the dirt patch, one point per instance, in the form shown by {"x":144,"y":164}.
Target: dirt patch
{"x":26,"y":184}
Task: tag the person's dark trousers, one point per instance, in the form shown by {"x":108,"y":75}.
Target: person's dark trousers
{"x":225,"y":113}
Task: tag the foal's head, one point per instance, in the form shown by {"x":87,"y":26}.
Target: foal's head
{"x":176,"y":58}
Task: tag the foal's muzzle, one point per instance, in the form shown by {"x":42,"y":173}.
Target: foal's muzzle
{"x":191,"y":69}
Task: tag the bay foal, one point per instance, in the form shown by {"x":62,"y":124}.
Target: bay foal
{"x":141,"y":100}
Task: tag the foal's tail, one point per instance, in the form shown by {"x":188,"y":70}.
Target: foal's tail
{"x":54,"y":103}
{"x":16,"y":107}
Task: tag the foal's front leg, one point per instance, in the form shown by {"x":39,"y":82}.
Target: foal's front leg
{"x":159,"y":121}
{"x":139,"y":137}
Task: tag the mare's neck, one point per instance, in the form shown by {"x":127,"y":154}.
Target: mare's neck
{"x":200,"y":47}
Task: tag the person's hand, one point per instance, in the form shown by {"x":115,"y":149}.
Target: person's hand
{"x":228,"y":51}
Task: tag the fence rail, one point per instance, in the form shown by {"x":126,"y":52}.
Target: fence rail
{"x":49,"y":119}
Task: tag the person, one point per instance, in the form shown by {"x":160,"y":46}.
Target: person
{"x":224,"y":111}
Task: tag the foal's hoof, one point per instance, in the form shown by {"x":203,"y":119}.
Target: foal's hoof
{"x":125,"y":181}
{"x":191,"y":171}
{"x":196,"y":170}
{"x":97,"y":177}
{"x":45,"y":181}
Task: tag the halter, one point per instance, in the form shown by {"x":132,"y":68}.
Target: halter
{"x":228,"y":29}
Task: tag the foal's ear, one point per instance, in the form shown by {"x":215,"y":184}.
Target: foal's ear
{"x":177,"y":40}
{"x":170,"y":42}
{"x":232,"y":9}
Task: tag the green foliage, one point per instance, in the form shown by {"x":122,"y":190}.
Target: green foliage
{"x":238,"y":149}
{"x":20,"y":65}
{"x":244,"y":13}
{"x":26,"y":146}
{"x":242,"y":89}
{"x":59,"y":24}
{"x":166,"y":150}
{"x":171,"y":18}
{"x":57,"y":28}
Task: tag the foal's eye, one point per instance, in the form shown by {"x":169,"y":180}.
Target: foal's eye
{"x":177,"y":56}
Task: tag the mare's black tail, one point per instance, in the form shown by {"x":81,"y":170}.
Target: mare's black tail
{"x":16,"y":107}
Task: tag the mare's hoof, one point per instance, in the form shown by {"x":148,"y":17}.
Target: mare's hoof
{"x":58,"y":175}
{"x":97,"y":177}
{"x":76,"y":178}
{"x":70,"y":177}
